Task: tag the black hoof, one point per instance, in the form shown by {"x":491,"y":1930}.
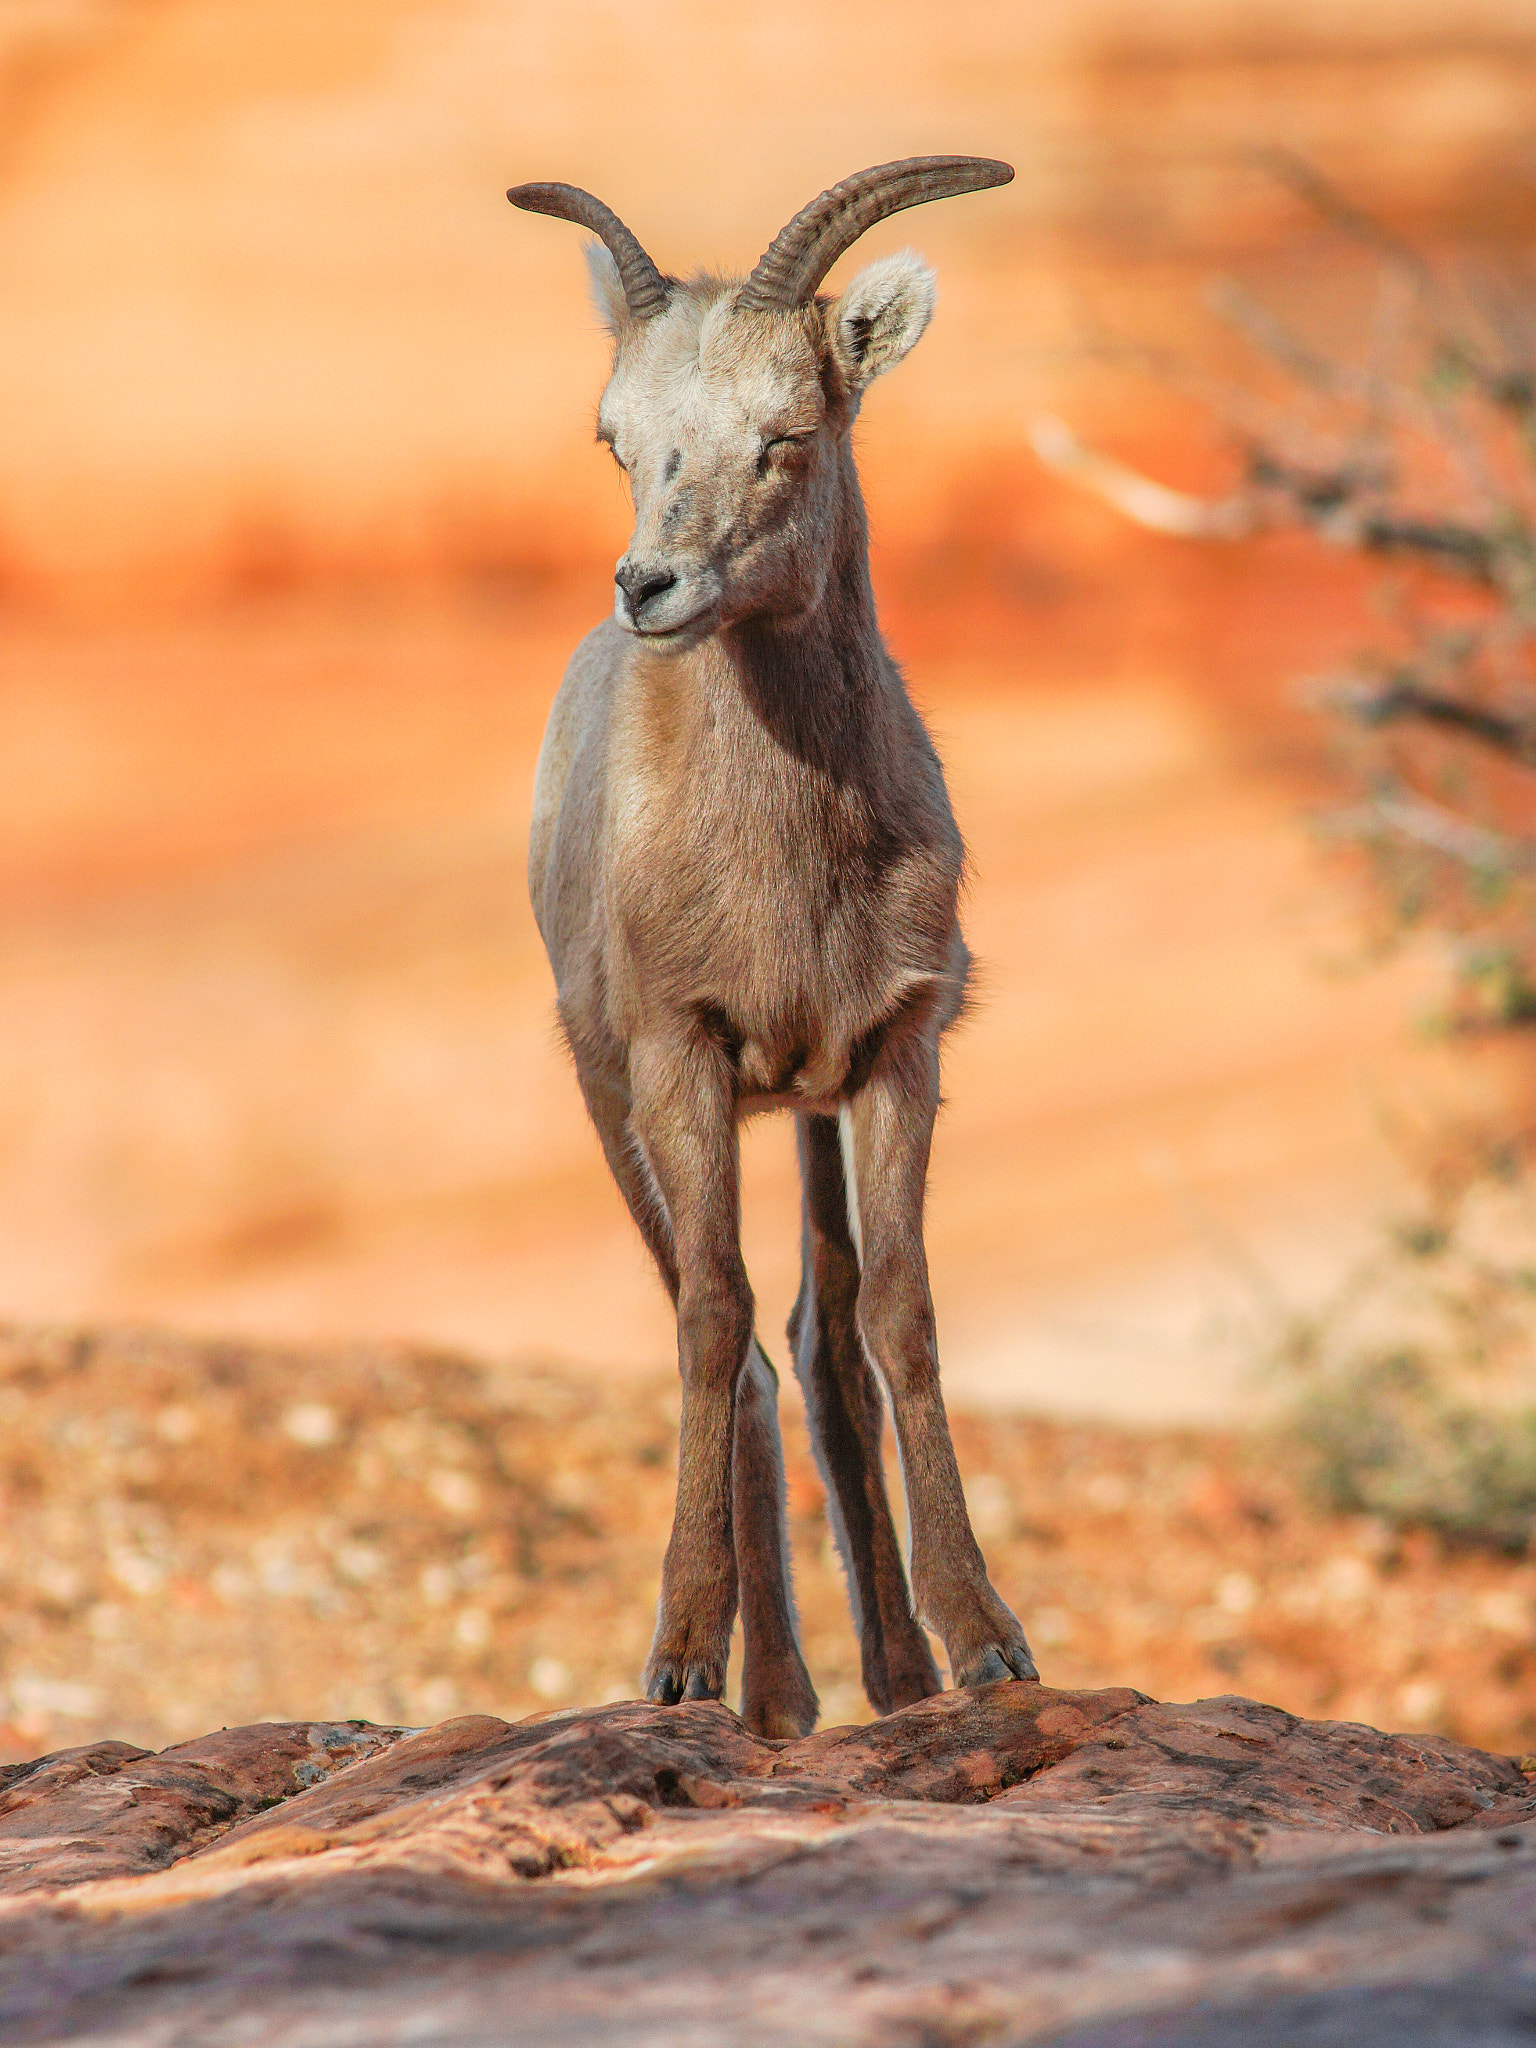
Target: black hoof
{"x":670,"y":1683}
{"x":664,"y":1687}
{"x":998,"y":1662}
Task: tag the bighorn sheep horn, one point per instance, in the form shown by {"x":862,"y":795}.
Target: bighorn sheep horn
{"x":798,"y":259}
{"x":645,"y":289}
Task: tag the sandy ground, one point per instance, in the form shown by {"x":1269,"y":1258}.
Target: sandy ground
{"x":225,"y":1534}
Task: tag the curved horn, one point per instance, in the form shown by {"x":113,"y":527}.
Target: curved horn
{"x":799,"y":258}
{"x":645,"y":289}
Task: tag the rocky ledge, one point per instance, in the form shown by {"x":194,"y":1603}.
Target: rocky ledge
{"x":1008,"y":1865}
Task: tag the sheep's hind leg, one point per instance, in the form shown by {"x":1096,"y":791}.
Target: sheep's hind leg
{"x":847,"y":1418}
{"x":777,"y":1697}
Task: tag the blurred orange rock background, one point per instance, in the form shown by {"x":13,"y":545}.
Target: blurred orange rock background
{"x":300,"y":516}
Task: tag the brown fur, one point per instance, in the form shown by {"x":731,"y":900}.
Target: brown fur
{"x":746,"y":872}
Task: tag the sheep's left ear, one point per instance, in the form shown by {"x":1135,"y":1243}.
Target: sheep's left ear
{"x":607,"y":289}
{"x":881,"y":315}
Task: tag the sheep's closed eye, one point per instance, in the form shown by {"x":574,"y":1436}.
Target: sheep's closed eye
{"x":780,"y":444}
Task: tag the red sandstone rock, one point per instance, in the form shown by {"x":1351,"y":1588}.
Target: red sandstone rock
{"x":110,"y":1810}
{"x":1007,"y":1865}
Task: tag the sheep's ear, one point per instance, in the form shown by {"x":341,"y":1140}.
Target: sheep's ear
{"x":607,"y":289}
{"x":881,"y":316}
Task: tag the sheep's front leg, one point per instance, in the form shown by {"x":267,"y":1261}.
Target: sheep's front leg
{"x":682,"y":1121}
{"x":892,"y":1128}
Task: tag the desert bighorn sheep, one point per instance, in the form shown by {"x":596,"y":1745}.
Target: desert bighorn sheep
{"x":745,"y":870}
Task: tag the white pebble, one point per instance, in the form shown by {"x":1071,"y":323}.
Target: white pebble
{"x":455,"y":1491}
{"x":136,"y":1573}
{"x":437,"y":1582}
{"x":549,"y":1678}
{"x":59,"y":1581}
{"x":1509,"y":1613}
{"x":176,"y":1424}
{"x":1421,"y":1703}
{"x":472,"y":1630}
{"x":1236,"y":1593}
{"x":311,"y":1424}
{"x":359,"y":1562}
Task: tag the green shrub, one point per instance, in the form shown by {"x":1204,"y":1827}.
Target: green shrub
{"x":1410,"y":1393}
{"x":1379,"y":1436}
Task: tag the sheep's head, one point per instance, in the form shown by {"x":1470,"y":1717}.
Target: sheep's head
{"x":730,"y":403}
{"x":728,"y":421}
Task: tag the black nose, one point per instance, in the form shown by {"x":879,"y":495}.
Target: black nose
{"x":641,"y":585}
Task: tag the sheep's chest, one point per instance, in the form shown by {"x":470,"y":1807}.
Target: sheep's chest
{"x":772,"y":909}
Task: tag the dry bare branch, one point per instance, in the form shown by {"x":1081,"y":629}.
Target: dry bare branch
{"x":1329,"y":204}
{"x":1140,"y":498}
{"x":1272,"y":338}
{"x":1403,"y":698}
{"x":1324,"y":500}
{"x":1432,"y":825}
{"x":1418,"y":444}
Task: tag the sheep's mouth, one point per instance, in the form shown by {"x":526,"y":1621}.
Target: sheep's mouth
{"x":677,"y":628}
